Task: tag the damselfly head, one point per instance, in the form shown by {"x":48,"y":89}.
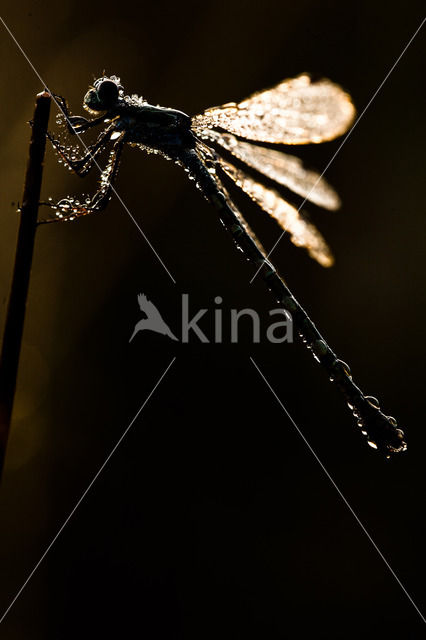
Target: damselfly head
{"x":103,"y":95}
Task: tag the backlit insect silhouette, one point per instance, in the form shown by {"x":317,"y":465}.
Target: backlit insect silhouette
{"x":296,"y":111}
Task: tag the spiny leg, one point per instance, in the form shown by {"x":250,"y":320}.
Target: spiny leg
{"x":75,"y":124}
{"x":81,"y":166}
{"x":69,"y":209}
{"x":380,"y":430}
{"x":78,"y":125}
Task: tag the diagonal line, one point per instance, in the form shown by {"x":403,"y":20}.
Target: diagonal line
{"x":113,"y":189}
{"x":339,"y":492}
{"x":86,"y":491}
{"x":347,"y":135}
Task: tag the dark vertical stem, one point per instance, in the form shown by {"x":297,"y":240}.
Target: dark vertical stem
{"x":11,"y":347}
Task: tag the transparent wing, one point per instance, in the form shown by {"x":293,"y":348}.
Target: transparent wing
{"x":205,"y":154}
{"x":281,"y":167}
{"x":302,"y":233}
{"x":296,"y":111}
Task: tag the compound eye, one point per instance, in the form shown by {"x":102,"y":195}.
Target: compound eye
{"x":107,"y":91}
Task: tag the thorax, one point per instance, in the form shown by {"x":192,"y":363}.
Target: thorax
{"x":159,"y":127}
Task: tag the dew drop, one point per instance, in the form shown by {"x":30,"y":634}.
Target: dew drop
{"x":373,"y":401}
{"x":345,"y":368}
{"x":319,"y":347}
{"x":299,"y":333}
{"x":289,"y":303}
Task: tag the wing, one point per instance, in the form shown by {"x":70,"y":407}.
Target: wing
{"x":206,"y":154}
{"x":302,"y":233}
{"x":281,"y":167}
{"x":296,"y":111}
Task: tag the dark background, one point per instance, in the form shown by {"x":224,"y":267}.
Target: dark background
{"x":213,"y":519}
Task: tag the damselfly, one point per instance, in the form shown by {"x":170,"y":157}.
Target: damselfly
{"x":296,"y":111}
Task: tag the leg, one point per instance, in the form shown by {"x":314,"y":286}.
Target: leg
{"x":81,"y":166}
{"x":69,"y":209}
{"x":381,"y":430}
{"x":75,"y":124}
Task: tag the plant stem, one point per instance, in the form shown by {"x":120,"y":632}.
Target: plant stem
{"x":12,"y":338}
